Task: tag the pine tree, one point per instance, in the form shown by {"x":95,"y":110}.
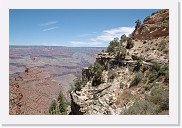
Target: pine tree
{"x":52,"y":109}
{"x":62,"y":104}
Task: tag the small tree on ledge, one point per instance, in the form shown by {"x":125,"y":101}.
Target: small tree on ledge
{"x":138,"y":23}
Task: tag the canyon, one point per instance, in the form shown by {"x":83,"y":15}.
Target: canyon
{"x":129,"y":77}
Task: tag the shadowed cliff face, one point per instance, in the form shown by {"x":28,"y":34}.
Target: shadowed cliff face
{"x":32,"y":91}
{"x":134,"y":80}
{"x":75,"y":109}
{"x":154,"y":26}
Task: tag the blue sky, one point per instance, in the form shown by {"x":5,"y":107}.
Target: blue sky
{"x":75,"y":28}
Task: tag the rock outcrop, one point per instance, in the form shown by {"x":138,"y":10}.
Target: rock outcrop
{"x":16,"y":101}
{"x":130,"y":79}
{"x":154,"y":26}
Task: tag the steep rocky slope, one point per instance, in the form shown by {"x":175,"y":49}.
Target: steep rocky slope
{"x":32,"y":92}
{"x":132,"y":80}
{"x":154,"y":26}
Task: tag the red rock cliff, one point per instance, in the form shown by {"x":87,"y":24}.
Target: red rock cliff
{"x":154,"y":26}
{"x":31,"y":92}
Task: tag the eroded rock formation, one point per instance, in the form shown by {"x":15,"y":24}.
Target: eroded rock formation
{"x":32,"y":92}
{"x":154,"y":26}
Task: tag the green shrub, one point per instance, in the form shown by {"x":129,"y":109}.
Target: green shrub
{"x":156,"y":102}
{"x":141,"y":108}
{"x":138,"y":66}
{"x":136,"y":80}
{"x":166,"y":73}
{"x":156,"y":67}
{"x":129,"y":44}
{"x":102,"y":51}
{"x":153,"y":76}
{"x":112,"y":46}
{"x":145,"y":67}
{"x":97,"y":70}
{"x":166,"y":76}
{"x":147,"y":87}
{"x":144,"y":80}
{"x":123,"y":38}
{"x":159,"y":70}
{"x":72,"y":88}
{"x":160,"y":98}
{"x":120,"y":52}
{"x":78,"y":85}
{"x":96,"y":80}
{"x":112,"y":75}
{"x":162,"y":45}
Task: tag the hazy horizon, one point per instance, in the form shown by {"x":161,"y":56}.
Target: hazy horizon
{"x":58,"y":46}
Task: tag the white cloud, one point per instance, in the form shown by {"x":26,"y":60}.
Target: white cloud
{"x":105,"y":37}
{"x":109,"y":35}
{"x":125,"y":30}
{"x":48,"y":29}
{"x":49,"y":23}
